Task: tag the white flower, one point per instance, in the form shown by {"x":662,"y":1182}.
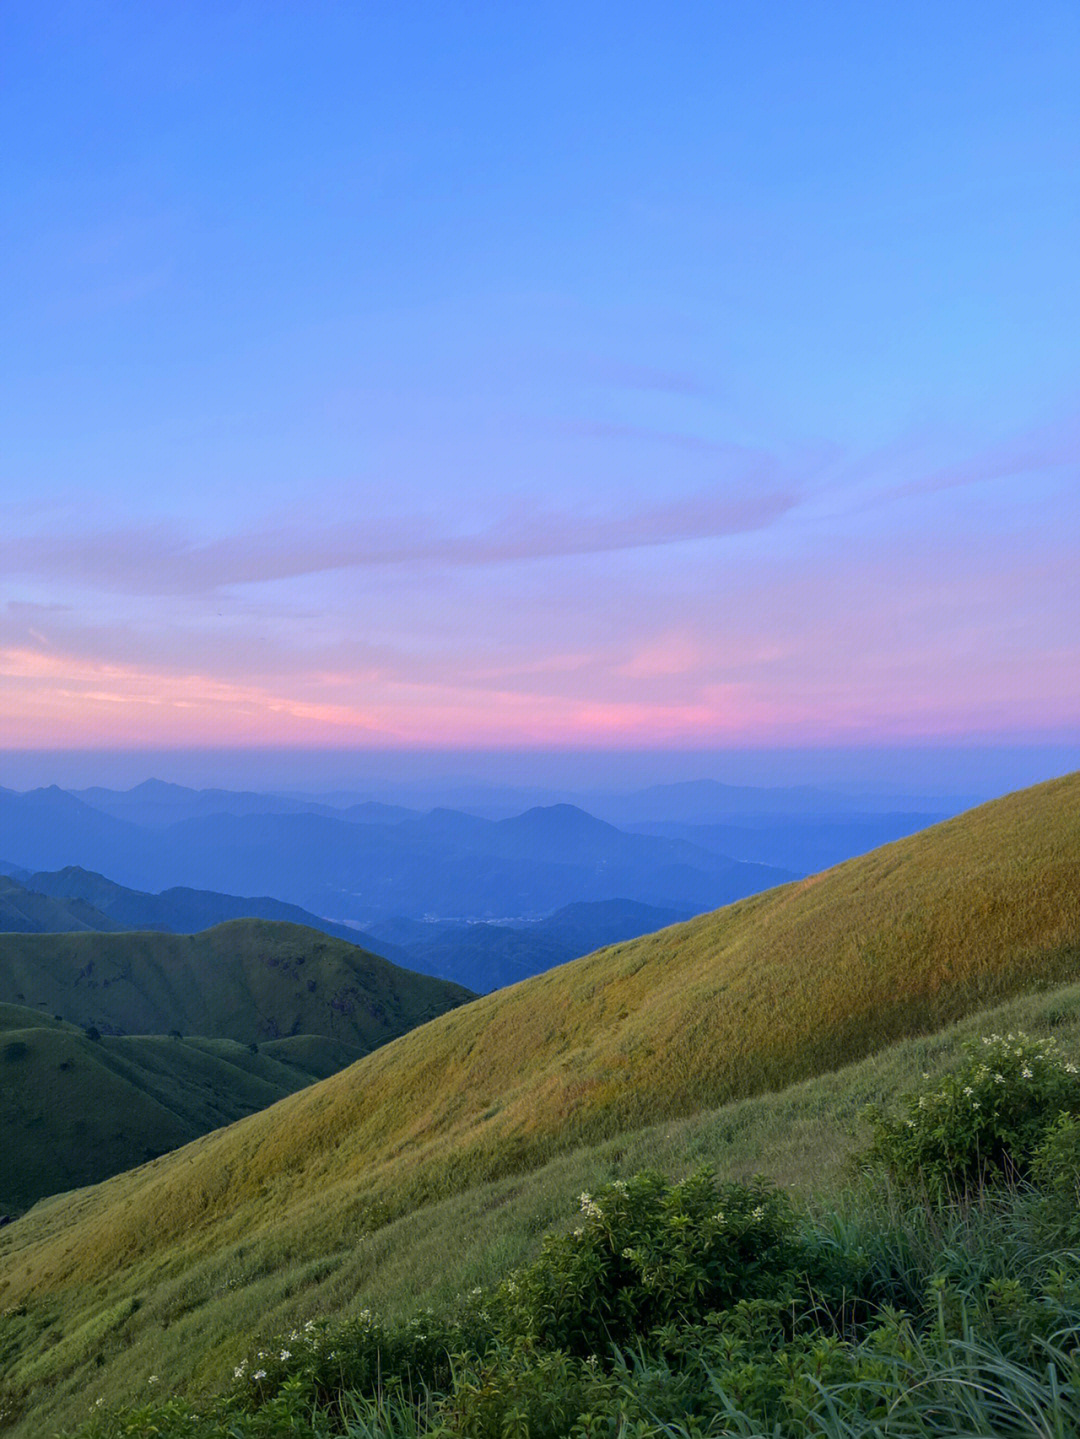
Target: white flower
{"x":152,"y":1379}
{"x":286,"y":1354}
{"x":259,"y":1374}
{"x":719,"y":1216}
{"x":910,"y":1123}
{"x":757,"y":1214}
{"x":1026,"y":1072}
{"x":1071,"y":1069}
{"x":999,"y":1079}
{"x":975,"y":1104}
{"x":968,"y":1091}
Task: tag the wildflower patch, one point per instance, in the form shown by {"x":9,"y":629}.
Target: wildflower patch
{"x":981,"y":1123}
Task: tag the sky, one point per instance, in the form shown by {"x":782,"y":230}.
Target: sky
{"x":423,"y":378}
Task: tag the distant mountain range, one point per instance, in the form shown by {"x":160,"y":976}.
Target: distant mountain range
{"x":490,"y":956}
{"x":480,"y":956}
{"x":74,"y":899}
{"x":25,"y":910}
{"x":796,"y":842}
{"x":363,"y":866}
{"x":157,"y":804}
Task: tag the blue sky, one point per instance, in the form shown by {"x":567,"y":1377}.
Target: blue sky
{"x":400,"y":375}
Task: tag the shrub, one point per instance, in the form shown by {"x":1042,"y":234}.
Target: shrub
{"x":362,"y":1355}
{"x":648,"y":1253}
{"x":528,"y":1392}
{"x":1056,"y":1162}
{"x":982,"y":1122}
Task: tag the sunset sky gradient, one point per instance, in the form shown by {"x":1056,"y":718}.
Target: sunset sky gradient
{"x":489,"y":376}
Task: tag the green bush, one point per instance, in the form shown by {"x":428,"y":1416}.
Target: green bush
{"x":363,"y":1355}
{"x":982,"y":1122}
{"x":646,"y":1253}
{"x":527,"y":1392}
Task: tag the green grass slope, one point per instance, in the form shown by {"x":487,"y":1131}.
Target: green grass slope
{"x":248,"y":980}
{"x":763,"y":994}
{"x":74,"y":1111}
{"x":189,"y":1325}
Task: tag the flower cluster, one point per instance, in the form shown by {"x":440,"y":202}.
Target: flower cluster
{"x":319,"y":1358}
{"x":983,"y":1121}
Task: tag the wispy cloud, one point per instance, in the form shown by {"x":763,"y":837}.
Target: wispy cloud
{"x":1048,"y":447}
{"x":627,"y":375}
{"x":680,"y":440}
{"x":163,"y":559}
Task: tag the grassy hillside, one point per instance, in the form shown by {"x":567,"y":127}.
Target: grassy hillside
{"x":24,"y":910}
{"x":248,"y":980}
{"x":292,"y":1203}
{"x":190,"y":1324}
{"x":73,"y":1111}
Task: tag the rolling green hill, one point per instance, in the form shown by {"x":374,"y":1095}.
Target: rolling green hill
{"x":73,"y":1110}
{"x":775,"y":990}
{"x":27,"y":911}
{"x":248,"y":980}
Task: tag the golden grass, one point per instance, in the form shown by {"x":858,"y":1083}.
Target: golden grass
{"x":192,"y":1326}
{"x":765,"y":993}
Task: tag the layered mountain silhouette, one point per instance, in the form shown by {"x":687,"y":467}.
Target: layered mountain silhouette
{"x":76,"y":898}
{"x":489,"y":956}
{"x":445,"y":863}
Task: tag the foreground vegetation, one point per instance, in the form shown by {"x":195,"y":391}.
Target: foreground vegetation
{"x":192,"y":1328}
{"x":705,"y":1309}
{"x":436,"y":1163}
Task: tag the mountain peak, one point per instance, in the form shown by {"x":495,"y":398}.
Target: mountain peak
{"x":557,"y":818}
